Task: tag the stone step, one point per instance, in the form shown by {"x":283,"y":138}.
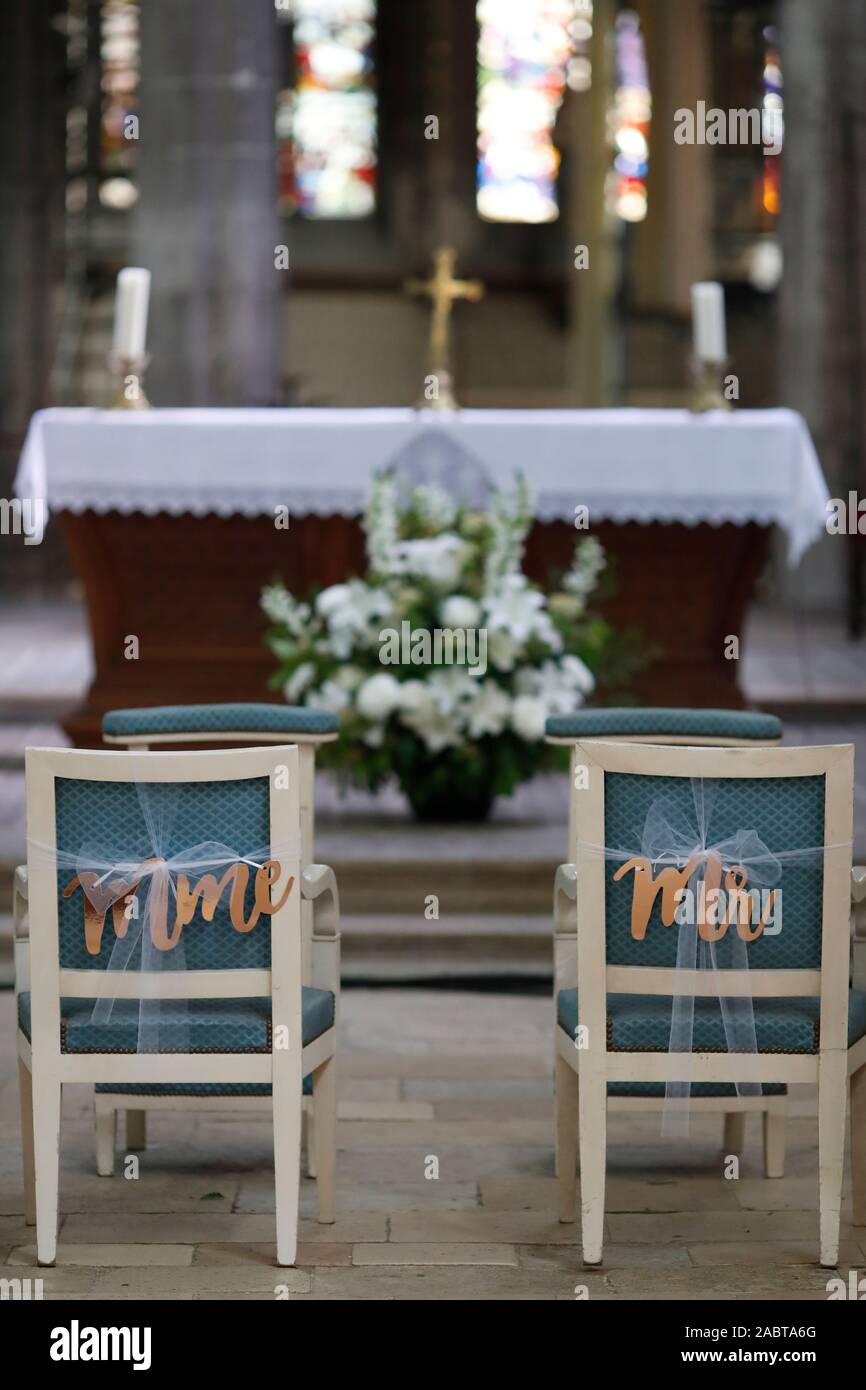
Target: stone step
{"x":484,"y":887}
{"x":458,"y":946}
{"x":410,"y":948}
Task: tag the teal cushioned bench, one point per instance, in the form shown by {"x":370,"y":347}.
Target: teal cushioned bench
{"x":218,"y":719}
{"x":664,"y":723}
{"x":199,"y":1025}
{"x":642,"y":1022}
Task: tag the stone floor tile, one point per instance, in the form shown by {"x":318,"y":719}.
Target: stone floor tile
{"x":511,"y":1227}
{"x":367,"y":1196}
{"x":108,"y":1255}
{"x":499,"y":1110}
{"x":202,"y":1280}
{"x":309,"y":1254}
{"x":468,"y":1282}
{"x":768,"y":1253}
{"x":722,"y":1282}
{"x":231,"y":1229}
{"x":567,"y":1257}
{"x":709,"y":1226}
{"x":776,"y":1194}
{"x":449,"y":1253}
{"x":484,"y":1089}
{"x":385,"y":1110}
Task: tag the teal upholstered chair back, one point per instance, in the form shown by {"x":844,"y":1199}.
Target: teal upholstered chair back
{"x":787,"y":813}
{"x":111,"y":815}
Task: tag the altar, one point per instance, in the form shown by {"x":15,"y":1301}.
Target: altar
{"x":175,"y":519}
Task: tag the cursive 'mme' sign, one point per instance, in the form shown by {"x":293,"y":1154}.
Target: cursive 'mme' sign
{"x":98,"y":898}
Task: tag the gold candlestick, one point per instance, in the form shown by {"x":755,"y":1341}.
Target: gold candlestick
{"x":443,"y":289}
{"x":708,"y":385}
{"x":129,"y":373}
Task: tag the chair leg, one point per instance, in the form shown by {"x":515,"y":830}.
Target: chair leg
{"x":325,"y":1137}
{"x":46,"y":1155}
{"x":775,"y":1119}
{"x":832,"y":1100}
{"x":310,"y":1116}
{"x":735,"y":1131}
{"x":593,"y":1161}
{"x":136,"y":1130}
{"x":858,"y":1145}
{"x":287,"y":1171}
{"x":106,"y":1137}
{"x":25,"y":1091}
{"x":566,"y":1110}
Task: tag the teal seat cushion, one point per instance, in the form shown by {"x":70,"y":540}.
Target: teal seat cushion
{"x":664,"y":723}
{"x":642,"y":1022}
{"x":218,"y":719}
{"x":193,"y":1025}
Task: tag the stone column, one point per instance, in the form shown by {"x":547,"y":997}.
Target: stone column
{"x":206,"y":220}
{"x":822,"y":312}
{"x":594,"y":341}
{"x":32,"y":165}
{"x":32,"y":142}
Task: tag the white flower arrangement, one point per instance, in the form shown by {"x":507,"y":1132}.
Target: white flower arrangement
{"x":436,"y":567}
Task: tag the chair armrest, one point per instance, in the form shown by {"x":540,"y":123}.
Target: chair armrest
{"x":565,"y":893}
{"x":319,"y":886}
{"x":20,"y":898}
{"x":565,"y":928}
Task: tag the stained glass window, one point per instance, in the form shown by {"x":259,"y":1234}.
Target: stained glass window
{"x":327,"y":121}
{"x":772,"y":123}
{"x":528,"y":50}
{"x":119,"y":51}
{"x":629,"y":123}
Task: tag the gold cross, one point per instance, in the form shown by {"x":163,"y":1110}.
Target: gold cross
{"x":443,"y":289}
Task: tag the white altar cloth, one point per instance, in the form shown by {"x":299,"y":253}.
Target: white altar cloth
{"x":625,"y":465}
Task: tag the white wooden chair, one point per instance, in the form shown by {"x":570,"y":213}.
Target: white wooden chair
{"x":706,"y":728}
{"x":75,"y":796}
{"x":815,"y":1028}
{"x":233,"y":726}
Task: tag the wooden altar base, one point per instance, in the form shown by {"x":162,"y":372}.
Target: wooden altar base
{"x":188,"y":587}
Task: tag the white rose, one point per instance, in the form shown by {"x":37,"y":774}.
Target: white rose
{"x":348,"y":677}
{"x":460,"y":611}
{"x":298,"y":682}
{"x":378,"y":696}
{"x":489,"y":711}
{"x":502,"y":650}
{"x":527,"y":717}
{"x":332,"y":598}
{"x":578,"y":674}
{"x":414,"y":697}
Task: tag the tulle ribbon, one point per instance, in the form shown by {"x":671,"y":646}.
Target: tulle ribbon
{"x":680,"y":840}
{"x":149,"y":896}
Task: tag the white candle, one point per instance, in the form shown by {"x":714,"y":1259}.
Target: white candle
{"x":708,"y":321}
{"x":130,"y":312}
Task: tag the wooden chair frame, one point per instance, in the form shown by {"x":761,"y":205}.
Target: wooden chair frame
{"x":320,"y":917}
{"x":43,"y":1068}
{"x":583,"y":1074}
{"x":772,"y":1109}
